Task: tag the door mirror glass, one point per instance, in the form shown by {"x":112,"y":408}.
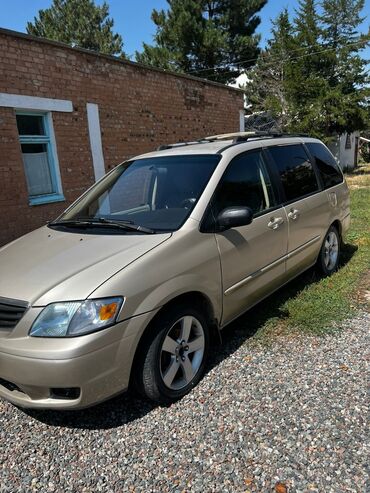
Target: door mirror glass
{"x":233,"y":217}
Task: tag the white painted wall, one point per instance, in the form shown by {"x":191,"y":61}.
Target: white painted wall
{"x":345,"y":157}
{"x":34,"y":103}
{"x":242,"y":120}
{"x":93,"y":122}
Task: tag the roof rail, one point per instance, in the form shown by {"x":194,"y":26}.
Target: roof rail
{"x":235,"y":137}
{"x":238,"y":137}
{"x":163,"y":147}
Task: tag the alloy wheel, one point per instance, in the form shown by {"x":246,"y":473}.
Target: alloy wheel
{"x":182,"y":352}
{"x":331,"y":250}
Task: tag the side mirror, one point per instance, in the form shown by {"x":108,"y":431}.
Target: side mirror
{"x":233,"y":217}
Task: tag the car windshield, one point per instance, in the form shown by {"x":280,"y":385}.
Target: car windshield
{"x":157,"y":193}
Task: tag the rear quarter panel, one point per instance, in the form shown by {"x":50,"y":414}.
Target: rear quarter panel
{"x":340,"y":205}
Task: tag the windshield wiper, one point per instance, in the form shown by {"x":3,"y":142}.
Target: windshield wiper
{"x":125,"y":225}
{"x":102,"y":222}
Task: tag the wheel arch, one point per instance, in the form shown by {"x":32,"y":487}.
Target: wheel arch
{"x":192,"y":298}
{"x":338,"y":225}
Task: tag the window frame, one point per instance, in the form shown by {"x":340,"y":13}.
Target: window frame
{"x":208,"y":221}
{"x":48,"y":139}
{"x":279,"y":181}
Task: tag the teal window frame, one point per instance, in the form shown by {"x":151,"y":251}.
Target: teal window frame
{"x":48,"y":140}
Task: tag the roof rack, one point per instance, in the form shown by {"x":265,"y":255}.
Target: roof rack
{"x":236,"y":137}
{"x":163,"y":147}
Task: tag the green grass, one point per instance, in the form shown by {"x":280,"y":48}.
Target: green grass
{"x":312,"y":304}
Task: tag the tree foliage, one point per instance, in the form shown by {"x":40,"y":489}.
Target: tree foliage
{"x":213,"y":39}
{"x":79,"y":23}
{"x":312,"y":75}
{"x":266,"y":90}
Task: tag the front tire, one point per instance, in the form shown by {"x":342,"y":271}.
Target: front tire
{"x":174,"y":354}
{"x":329,"y":254}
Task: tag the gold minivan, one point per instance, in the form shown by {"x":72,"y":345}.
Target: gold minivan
{"x":129,"y":284}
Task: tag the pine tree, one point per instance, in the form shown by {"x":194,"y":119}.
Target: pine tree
{"x":338,"y":102}
{"x":322,"y":78}
{"x":308,"y":81}
{"x":78,"y":23}
{"x":267,"y":89}
{"x":341,"y":19}
{"x":212,"y":39}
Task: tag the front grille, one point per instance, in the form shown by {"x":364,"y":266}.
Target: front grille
{"x":11,"y":311}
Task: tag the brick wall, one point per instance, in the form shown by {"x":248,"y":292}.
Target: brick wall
{"x":139,"y":109}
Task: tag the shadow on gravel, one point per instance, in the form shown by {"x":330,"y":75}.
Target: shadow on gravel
{"x":126,"y":408}
{"x":116,"y":412}
{"x":245,"y":326}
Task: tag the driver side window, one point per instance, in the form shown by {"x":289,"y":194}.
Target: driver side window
{"x":245,"y":183}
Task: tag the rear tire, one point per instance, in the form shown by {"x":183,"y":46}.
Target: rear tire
{"x":329,"y":254}
{"x":173,"y":355}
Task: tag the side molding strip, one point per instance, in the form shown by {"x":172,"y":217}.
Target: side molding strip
{"x":302,"y":247}
{"x":268,"y":267}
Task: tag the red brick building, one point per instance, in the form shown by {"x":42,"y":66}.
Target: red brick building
{"x":69,"y":115}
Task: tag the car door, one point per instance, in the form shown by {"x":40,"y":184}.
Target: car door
{"x":306,"y":205}
{"x":252,"y":257}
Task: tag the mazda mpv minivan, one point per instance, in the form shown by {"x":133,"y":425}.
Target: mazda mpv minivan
{"x":128,"y":285}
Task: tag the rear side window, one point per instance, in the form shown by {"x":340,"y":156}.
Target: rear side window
{"x":296,"y":172}
{"x":245,"y":183}
{"x":326,"y":164}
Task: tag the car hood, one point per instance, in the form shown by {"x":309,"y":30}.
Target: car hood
{"x":48,"y":265}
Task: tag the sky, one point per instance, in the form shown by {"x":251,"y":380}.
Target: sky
{"x":132,"y":18}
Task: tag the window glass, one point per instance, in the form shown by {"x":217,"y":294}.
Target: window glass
{"x":37,"y":157}
{"x":158,"y":193}
{"x":30,"y":125}
{"x":329,"y":170}
{"x":132,"y":192}
{"x":36,"y":167}
{"x":296,"y":171}
{"x":245,"y":183}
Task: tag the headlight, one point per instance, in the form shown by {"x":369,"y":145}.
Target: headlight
{"x":75,"y":318}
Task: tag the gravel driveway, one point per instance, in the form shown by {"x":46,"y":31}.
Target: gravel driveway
{"x":291,"y":415}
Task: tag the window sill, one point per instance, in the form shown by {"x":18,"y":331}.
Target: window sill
{"x":46,"y":199}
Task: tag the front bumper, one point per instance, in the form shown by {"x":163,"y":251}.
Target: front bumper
{"x":95,"y":375}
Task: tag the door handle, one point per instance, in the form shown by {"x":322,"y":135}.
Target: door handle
{"x":293,"y":214}
{"x":275,"y":222}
